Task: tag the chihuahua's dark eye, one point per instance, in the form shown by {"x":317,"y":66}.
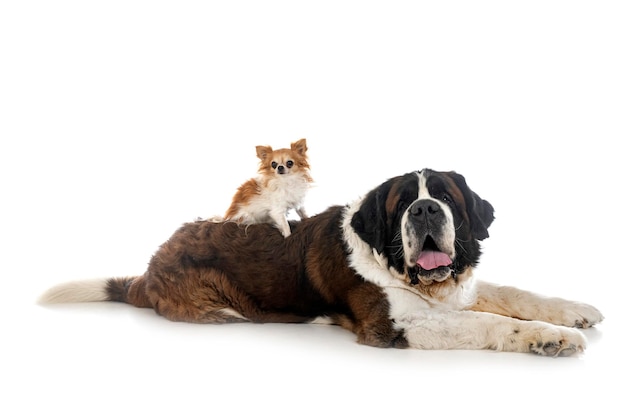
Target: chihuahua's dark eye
{"x":274,"y":165}
{"x":289,"y":163}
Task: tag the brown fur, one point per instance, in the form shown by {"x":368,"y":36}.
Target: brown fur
{"x":207,"y":267}
{"x":245,"y":193}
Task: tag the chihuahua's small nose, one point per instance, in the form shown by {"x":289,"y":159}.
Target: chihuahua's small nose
{"x":281,"y":169}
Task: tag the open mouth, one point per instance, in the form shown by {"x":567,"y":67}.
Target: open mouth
{"x":431,"y":257}
{"x":431,"y":264}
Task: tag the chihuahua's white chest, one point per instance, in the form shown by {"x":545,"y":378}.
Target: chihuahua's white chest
{"x":283,"y":191}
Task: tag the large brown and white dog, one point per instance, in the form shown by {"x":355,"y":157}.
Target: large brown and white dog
{"x":395,"y":267}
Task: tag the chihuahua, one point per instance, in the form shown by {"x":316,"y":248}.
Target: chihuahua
{"x":281,"y":185}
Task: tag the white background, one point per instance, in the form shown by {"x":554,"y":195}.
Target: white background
{"x":120,"y":120}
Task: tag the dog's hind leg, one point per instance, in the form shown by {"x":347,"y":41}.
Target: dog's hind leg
{"x":202,"y":296}
{"x":208,"y":296}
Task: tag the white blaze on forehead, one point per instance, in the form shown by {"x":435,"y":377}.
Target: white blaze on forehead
{"x":422,"y":191}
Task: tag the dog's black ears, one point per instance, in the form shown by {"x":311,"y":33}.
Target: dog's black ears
{"x":369,"y":222}
{"x":480,"y":211}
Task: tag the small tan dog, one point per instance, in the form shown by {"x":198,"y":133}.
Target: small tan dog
{"x":281,"y":185}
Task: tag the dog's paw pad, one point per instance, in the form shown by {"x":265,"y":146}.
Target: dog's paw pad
{"x":559,"y":342}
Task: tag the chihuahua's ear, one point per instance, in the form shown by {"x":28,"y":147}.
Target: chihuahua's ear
{"x":299,"y":147}
{"x":263,"y":151}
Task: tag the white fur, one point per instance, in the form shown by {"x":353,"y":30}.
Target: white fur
{"x":283,"y":193}
{"x":528,"y":305}
{"x":76,"y":291}
{"x":436,"y":329}
{"x":323,"y":320}
{"x":422,"y":191}
{"x":233,"y":313}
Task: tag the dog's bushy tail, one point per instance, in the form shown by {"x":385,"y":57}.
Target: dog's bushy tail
{"x":130,"y":290}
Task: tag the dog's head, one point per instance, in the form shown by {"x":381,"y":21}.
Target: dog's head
{"x":426,"y":224}
{"x":283,"y":161}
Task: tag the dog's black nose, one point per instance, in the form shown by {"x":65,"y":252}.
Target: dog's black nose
{"x":423,"y":207}
{"x":281,"y":169}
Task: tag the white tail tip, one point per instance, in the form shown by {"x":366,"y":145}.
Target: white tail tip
{"x":76,"y":291}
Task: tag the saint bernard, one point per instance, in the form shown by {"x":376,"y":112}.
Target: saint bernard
{"x":395,"y":268}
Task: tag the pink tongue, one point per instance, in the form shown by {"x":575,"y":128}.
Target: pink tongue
{"x":429,"y":260}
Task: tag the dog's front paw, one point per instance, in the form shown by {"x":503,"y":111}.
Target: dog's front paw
{"x":554,"y":341}
{"x":575,"y":314}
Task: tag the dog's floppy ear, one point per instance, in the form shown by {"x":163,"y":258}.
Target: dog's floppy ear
{"x":263,"y":151}
{"x":480,"y":211}
{"x":369,"y":221}
{"x":299,"y":147}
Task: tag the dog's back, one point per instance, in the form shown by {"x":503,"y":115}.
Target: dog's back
{"x":198,"y":275}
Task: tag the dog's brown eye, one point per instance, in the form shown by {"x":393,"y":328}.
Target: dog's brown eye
{"x":289,"y":163}
{"x":274,"y":164}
